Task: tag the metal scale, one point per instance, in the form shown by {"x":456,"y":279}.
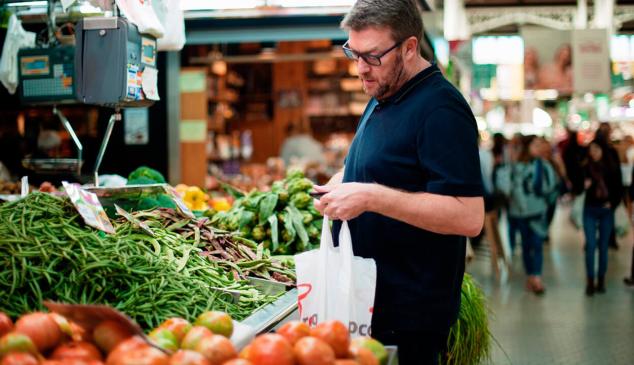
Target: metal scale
{"x":104,"y":67}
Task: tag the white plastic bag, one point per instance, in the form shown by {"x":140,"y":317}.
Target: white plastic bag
{"x":170,"y":14}
{"x":141,"y":13}
{"x":621,"y":221}
{"x":333,"y":284}
{"x":576,"y":212}
{"x":16,"y":38}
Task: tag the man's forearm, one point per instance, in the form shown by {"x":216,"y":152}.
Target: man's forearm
{"x":436,"y":213}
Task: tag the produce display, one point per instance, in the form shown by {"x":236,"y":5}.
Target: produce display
{"x":50,"y":339}
{"x":237,"y":256}
{"x":283,"y":219}
{"x":49,"y":254}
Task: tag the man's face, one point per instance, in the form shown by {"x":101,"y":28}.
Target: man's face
{"x":378,"y":81}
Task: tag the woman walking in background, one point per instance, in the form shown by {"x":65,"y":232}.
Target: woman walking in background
{"x":602,"y":196}
{"x":528,"y":183}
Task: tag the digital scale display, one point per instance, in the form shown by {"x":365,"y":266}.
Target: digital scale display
{"x":34,"y":65}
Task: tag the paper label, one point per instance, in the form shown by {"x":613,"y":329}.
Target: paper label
{"x":150,"y":83}
{"x":24,"y":186}
{"x":89,"y":207}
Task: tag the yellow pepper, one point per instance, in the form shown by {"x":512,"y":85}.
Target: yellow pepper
{"x":195,"y":198}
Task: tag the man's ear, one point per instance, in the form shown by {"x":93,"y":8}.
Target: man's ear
{"x":411,"y":47}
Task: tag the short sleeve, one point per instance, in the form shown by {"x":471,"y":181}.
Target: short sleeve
{"x":447,"y":147}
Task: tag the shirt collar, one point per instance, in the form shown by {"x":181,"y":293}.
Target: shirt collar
{"x":411,"y":84}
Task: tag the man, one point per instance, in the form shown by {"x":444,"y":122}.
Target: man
{"x":411,"y":188}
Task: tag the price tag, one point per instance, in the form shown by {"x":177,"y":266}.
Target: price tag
{"x":89,"y":207}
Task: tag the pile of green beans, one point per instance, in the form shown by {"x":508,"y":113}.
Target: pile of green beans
{"x":239,"y":257}
{"x":48,"y":253}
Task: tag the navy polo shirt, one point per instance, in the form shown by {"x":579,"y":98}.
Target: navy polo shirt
{"x":421,"y":139}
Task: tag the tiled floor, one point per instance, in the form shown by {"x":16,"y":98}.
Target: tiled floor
{"x":564,"y":326}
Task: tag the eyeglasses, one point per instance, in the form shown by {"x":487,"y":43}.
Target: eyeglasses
{"x":370,"y":59}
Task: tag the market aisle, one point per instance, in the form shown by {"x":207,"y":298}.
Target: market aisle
{"x":564,"y":326}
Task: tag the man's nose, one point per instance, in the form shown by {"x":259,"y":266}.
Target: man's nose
{"x":362,"y":66}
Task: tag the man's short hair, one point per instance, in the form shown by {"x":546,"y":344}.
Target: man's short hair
{"x":402,"y":17}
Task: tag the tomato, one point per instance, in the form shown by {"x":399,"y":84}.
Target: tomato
{"x":41,"y":328}
{"x":164,"y":338}
{"x":238,"y":362}
{"x":346,"y":362}
{"x":178,"y":326}
{"x":76,"y":350}
{"x":6,"y":325}
{"x":294,"y":330}
{"x":217,"y":349}
{"x":313,"y":351}
{"x":16,"y":342}
{"x":135,"y":351}
{"x":219,"y":323}
{"x":194,"y":336}
{"x":19,"y":358}
{"x":271,"y":349}
{"x":108,"y":334}
{"x":335,"y":334}
{"x":363,"y":356}
{"x":188,"y":357}
{"x":373,"y":345}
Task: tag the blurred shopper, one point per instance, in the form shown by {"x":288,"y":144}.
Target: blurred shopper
{"x":514,"y":148}
{"x":528,"y":183}
{"x":300,"y":145}
{"x":612,"y":164}
{"x":573,"y":155}
{"x":411,"y":188}
{"x":492,"y":204}
{"x":557,"y":164}
{"x":629,"y":281}
{"x":602,"y":195}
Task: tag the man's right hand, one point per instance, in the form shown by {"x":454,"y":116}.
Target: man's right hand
{"x":321,"y":207}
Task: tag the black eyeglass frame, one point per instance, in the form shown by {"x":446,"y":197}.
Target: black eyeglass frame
{"x":370,"y":59}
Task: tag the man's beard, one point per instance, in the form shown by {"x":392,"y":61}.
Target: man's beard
{"x":392,"y":79}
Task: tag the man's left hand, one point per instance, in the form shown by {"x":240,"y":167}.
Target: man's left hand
{"x":346,"y":201}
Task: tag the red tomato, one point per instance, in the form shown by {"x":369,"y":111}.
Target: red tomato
{"x":191,"y":339}
{"x":77,"y":350}
{"x":177,"y":326}
{"x":271,"y":349}
{"x":19,"y":358}
{"x":16,"y":342}
{"x":41,"y":328}
{"x":6,"y":325}
{"x":133,"y":352}
{"x":238,"y":362}
{"x":313,"y":351}
{"x":293,"y":331}
{"x":217,"y":349}
{"x":335,"y":334}
{"x":188,"y":357}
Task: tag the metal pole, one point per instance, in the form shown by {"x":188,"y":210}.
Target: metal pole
{"x":51,"y":21}
{"x":71,"y":131}
{"x":104,"y":143}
